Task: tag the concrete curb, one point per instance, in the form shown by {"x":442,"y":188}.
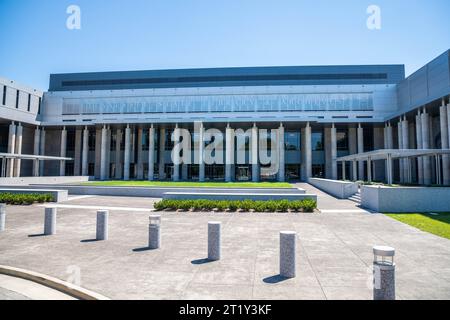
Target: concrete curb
{"x":51,"y":282}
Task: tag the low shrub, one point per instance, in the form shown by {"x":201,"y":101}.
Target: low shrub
{"x":23,"y":198}
{"x":307,"y":205}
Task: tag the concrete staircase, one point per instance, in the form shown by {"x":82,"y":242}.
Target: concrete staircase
{"x":356,"y":197}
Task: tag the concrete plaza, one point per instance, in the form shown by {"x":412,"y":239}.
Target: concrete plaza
{"x":334,"y":252}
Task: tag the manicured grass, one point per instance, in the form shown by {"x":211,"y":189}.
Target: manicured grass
{"x":141,"y":183}
{"x":307,"y":205}
{"x":435,"y":224}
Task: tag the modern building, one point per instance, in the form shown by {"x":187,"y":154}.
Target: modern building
{"x":118,"y":125}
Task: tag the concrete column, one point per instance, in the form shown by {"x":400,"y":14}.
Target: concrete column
{"x":281,"y":154}
{"x":353,"y":148}
{"x":360,"y":150}
{"x":389,"y":169}
{"x":425,"y":145}
{"x":162,"y":150}
{"x":354,"y":170}
{"x":369,"y":169}
{"x":184,"y":171}
{"x":85,"y":153}
{"x":308,"y":151}
{"x":201,"y":148}
{"x":254,"y":154}
{"x":405,"y":145}
{"x":176,"y":158}
{"x":37,"y":141}
{"x":140,"y":159}
{"x":62,"y":163}
{"x":42,"y":153}
{"x":388,"y":143}
{"x":50,"y":221}
{"x":103,"y":154}
{"x":214,"y":240}
{"x":400,"y":145}
{"x":229,"y":153}
{"x":108,"y":153}
{"x":151,"y":153}
{"x":334,"y":173}
{"x":18,"y":149}
{"x":126,"y":156}
{"x":445,"y":143}
{"x":419,"y":146}
{"x":118,"y":160}
{"x":11,"y":149}
{"x":102,"y":225}
{"x":78,"y":152}
{"x":343,"y":170}
{"x":287,"y":254}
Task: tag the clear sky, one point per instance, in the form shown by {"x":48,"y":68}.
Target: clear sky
{"x":166,"y":34}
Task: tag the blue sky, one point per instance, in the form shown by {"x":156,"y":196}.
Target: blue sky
{"x":166,"y":34}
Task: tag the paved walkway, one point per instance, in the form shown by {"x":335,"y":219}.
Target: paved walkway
{"x":334,"y":252}
{"x":12,"y":288}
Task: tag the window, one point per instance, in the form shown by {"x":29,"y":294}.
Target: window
{"x":169,"y":143}
{"x":17,"y":99}
{"x":318,"y":170}
{"x":4,"y":95}
{"x":342,"y":139}
{"x":292,"y":141}
{"x":39,"y":105}
{"x":29,"y":102}
{"x":317,"y":141}
{"x":91,"y":140}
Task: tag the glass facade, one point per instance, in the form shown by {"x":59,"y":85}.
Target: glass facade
{"x":221,"y":103}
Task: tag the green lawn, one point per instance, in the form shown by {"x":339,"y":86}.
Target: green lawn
{"x":435,"y":224}
{"x":140,"y":183}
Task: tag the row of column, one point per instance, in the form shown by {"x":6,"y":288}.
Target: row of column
{"x":229,"y":153}
{"x":13,"y":166}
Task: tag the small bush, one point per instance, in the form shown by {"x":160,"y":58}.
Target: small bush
{"x":307,"y":205}
{"x":23,"y":198}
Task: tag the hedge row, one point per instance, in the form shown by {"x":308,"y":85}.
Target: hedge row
{"x":21,"y":198}
{"x":307,"y":205}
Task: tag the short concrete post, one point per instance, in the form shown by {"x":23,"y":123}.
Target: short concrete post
{"x":383,"y":273}
{"x":214,"y":240}
{"x":102,"y":225}
{"x":287,"y":253}
{"x":154,"y":232}
{"x":50,"y":221}
{"x":2,"y":216}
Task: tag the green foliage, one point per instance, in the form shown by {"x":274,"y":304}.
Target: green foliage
{"x":24,"y":199}
{"x":307,"y":205}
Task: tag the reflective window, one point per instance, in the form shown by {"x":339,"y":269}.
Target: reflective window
{"x":292,"y":141}
{"x":342,"y":139}
{"x":317,"y":141}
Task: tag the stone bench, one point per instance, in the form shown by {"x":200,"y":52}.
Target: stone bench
{"x":238,"y":196}
{"x":58,"y":195}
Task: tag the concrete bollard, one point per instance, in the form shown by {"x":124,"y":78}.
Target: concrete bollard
{"x":102,"y":224}
{"x":383,"y":273}
{"x":2,"y":217}
{"x":50,"y":221}
{"x":214,"y":240}
{"x":154,"y":232}
{"x":287,"y":254}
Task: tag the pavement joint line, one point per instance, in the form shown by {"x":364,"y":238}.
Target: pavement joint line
{"x":69,"y":206}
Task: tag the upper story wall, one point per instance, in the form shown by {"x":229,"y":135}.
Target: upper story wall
{"x":229,"y":77}
{"x":18,"y":102}
{"x":321,"y":103}
{"x":429,"y":83}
